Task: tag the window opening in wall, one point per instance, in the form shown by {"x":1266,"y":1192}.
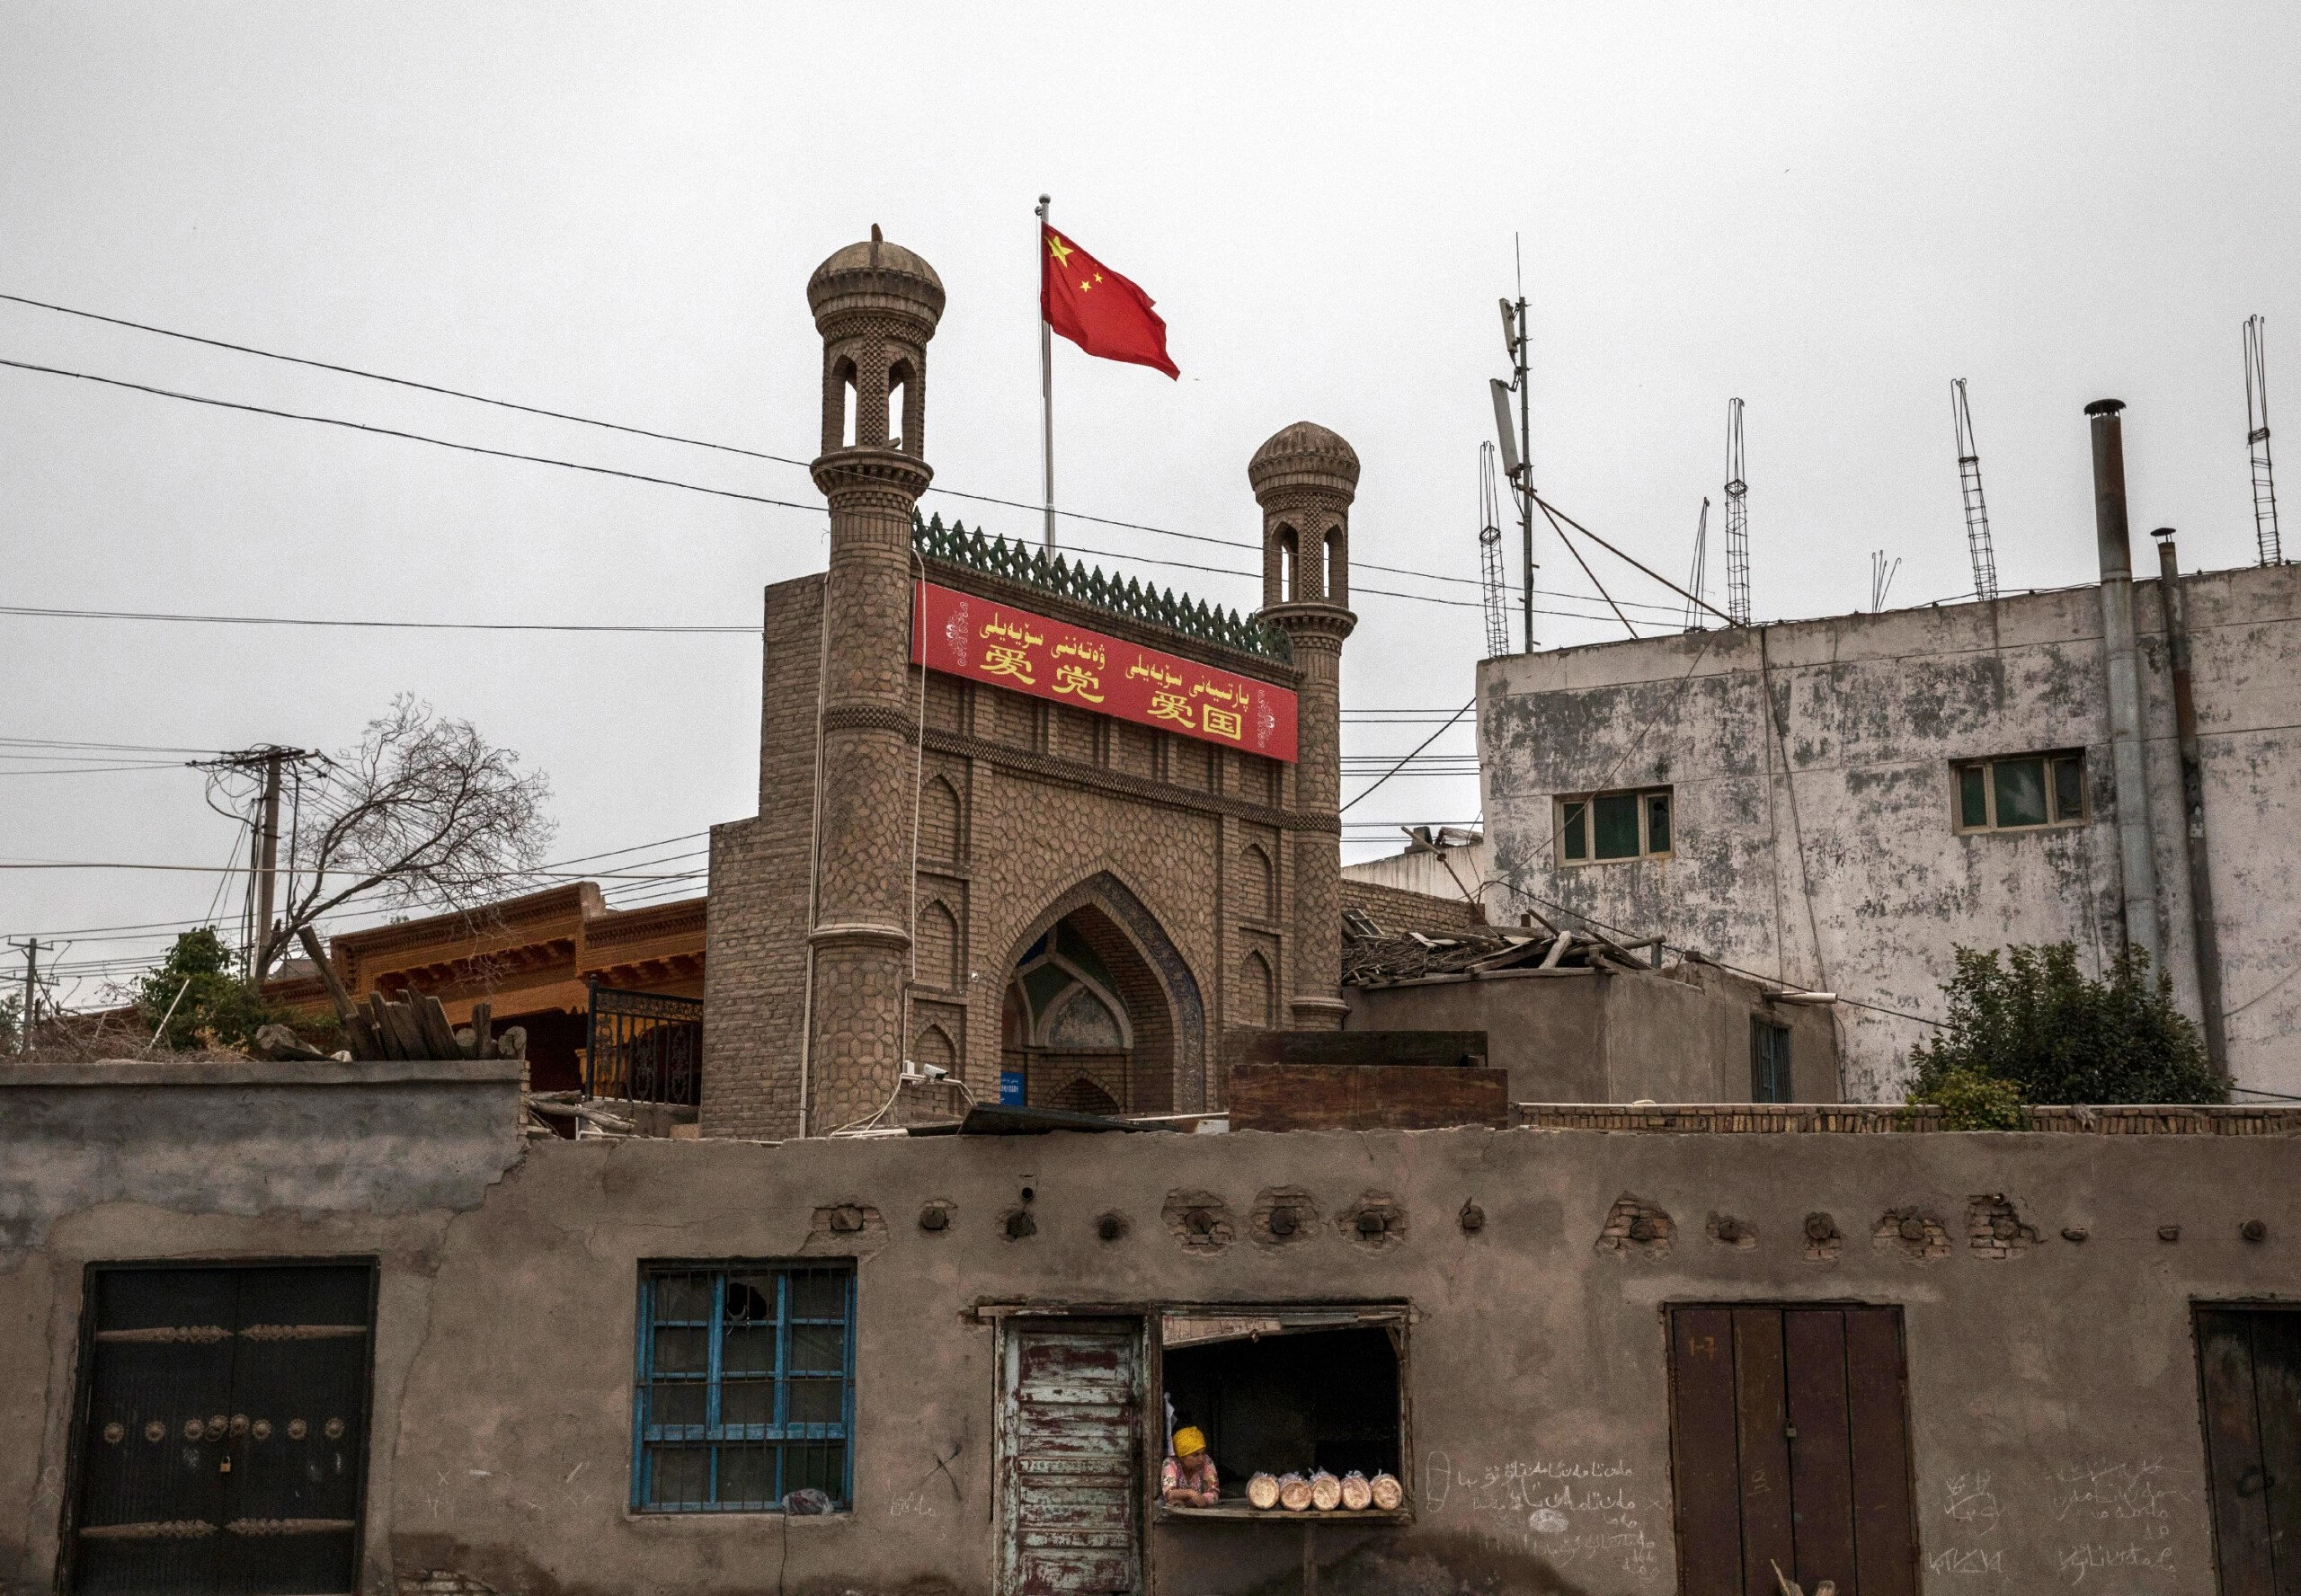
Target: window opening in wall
{"x":1769,"y":1062}
{"x":847,"y":420}
{"x":1595,"y":828}
{"x":1278,"y":1392}
{"x":221,"y":1401}
{"x":746,"y":1386}
{"x":2022,"y":793}
{"x":894,"y":408}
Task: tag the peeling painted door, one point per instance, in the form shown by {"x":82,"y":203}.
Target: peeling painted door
{"x":2250,"y":1363}
{"x":1789,"y":1446}
{"x":223,"y":1433}
{"x":1069,"y":1451}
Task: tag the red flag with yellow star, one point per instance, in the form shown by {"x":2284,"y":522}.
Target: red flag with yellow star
{"x":1098,"y":309}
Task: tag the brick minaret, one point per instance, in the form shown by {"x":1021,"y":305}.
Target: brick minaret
{"x":875,"y":305}
{"x":1304,"y":478}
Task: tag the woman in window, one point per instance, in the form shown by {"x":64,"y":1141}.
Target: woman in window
{"x":1187,"y":1480}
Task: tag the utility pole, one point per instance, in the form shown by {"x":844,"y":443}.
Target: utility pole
{"x":267,"y":869}
{"x":1737,"y":521}
{"x":31,"y":948}
{"x":1978,"y":545}
{"x":271,"y":762}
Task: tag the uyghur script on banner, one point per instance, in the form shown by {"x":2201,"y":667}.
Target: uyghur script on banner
{"x":962,"y":635}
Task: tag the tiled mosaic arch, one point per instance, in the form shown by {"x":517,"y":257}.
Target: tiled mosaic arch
{"x":1116,"y":899}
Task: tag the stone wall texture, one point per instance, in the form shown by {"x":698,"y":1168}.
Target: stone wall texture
{"x":1811,"y":763}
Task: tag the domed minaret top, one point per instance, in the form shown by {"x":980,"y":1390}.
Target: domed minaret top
{"x":1304,"y":455}
{"x":875,"y":305}
{"x":875,"y":275}
{"x":1305,"y":478}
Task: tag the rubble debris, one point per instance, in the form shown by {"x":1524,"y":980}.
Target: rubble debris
{"x":1371,"y":959}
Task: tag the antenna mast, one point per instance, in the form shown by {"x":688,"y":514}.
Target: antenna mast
{"x":1737,"y":521}
{"x":1961,"y":421}
{"x":1517,"y":440}
{"x":1489,"y":555}
{"x":1695,"y":623}
{"x":2273,"y":552}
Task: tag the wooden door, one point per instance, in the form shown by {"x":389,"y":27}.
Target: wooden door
{"x":223,"y":1435}
{"x":1789,"y":1447}
{"x":1070,"y":1448}
{"x":2250,"y":1366}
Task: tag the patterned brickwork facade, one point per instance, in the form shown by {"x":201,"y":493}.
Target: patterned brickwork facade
{"x":958,"y":821}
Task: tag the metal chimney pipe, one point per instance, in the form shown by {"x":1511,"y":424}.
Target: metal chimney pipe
{"x":2137,"y":855}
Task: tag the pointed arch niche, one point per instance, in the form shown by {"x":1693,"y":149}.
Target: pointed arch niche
{"x":1101,"y":1013}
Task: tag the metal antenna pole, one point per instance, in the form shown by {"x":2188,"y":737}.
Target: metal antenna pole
{"x":1978,"y":545}
{"x":2272,"y":550}
{"x":1737,"y":521}
{"x":1525,"y":442}
{"x":1695,"y":623}
{"x":1490,"y":557}
{"x":1047,"y":374}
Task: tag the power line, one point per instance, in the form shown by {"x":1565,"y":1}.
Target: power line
{"x":704,"y":443}
{"x":469,"y":448}
{"x":640,"y":476}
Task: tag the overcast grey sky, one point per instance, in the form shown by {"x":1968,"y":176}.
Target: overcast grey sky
{"x":1830,"y":211}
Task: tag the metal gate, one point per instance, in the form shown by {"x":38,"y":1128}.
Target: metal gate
{"x":223,"y":1430}
{"x":644,"y":1047}
{"x":2249,"y":1362}
{"x":1069,"y":1453}
{"x":1789,"y":1446}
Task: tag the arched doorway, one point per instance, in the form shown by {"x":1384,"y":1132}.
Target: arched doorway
{"x":1087,"y":1023}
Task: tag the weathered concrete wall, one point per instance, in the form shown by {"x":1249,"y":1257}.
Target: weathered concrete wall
{"x":1675,"y":1035}
{"x":1459,"y":869}
{"x":2053,"y":1390}
{"x":129,"y":1160}
{"x":1811,"y":763}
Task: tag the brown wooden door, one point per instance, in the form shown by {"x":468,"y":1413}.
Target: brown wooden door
{"x":2249,"y":1361}
{"x":1789,"y":1447}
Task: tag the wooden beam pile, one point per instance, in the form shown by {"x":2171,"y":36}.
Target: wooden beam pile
{"x":417,"y":1028}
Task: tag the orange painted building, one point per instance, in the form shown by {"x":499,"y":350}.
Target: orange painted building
{"x":531,"y":958}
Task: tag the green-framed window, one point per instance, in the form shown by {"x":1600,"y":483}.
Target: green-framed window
{"x":1599,"y":827}
{"x":2021,"y":792}
{"x":746,"y":1384}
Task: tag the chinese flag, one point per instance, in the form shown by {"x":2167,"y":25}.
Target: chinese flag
{"x":1098,"y":309}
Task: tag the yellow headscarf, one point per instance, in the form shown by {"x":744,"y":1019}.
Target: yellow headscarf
{"x":1188,"y":1442}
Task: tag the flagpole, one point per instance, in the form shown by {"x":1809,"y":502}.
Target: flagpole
{"x":1046,"y":376}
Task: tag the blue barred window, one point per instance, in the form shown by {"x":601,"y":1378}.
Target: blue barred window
{"x":746,"y":1386}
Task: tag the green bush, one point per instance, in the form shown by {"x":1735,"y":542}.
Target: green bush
{"x":217,"y":1008}
{"x":2034,"y":1028}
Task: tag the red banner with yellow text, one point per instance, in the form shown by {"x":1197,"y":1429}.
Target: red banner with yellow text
{"x":961,"y":635}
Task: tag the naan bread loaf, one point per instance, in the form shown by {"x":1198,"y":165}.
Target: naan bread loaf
{"x":1263,"y":1491}
{"x":1294,"y":1493}
{"x":1387,"y":1492}
{"x":1326,"y":1492}
{"x":1355,"y":1491}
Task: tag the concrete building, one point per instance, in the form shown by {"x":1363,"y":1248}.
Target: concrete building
{"x":1839,"y":804}
{"x":1019,"y":823}
{"x":327,"y":1328}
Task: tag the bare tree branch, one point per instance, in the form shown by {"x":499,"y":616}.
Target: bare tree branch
{"x":422,"y":812}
